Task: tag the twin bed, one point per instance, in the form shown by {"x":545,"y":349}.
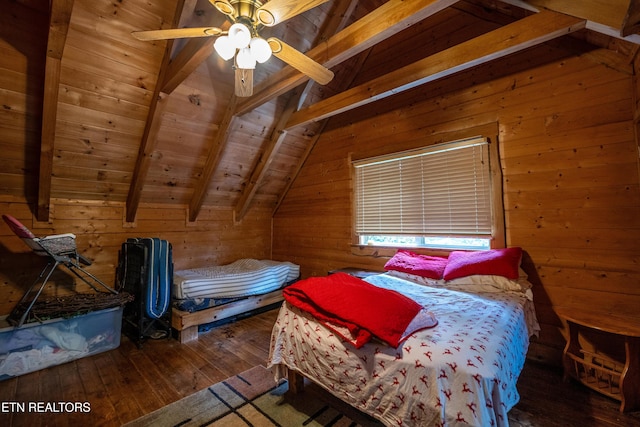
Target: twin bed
{"x":462,"y":371}
{"x":210,"y":294}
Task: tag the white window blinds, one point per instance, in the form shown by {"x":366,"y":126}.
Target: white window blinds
{"x":443,"y":189}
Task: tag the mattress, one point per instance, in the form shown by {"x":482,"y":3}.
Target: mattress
{"x":242,"y":278}
{"x":463,"y":372}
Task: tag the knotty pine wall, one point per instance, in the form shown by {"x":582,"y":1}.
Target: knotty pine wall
{"x":570,"y":174}
{"x":214,"y":239}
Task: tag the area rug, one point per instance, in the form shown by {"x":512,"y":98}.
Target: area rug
{"x":251,"y":398}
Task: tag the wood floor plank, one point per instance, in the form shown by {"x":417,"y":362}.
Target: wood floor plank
{"x":178,"y":369}
{"x":226,"y":361}
{"x":8,"y":393}
{"x":547,"y":400}
{"x":116,"y":387}
{"x":103,"y":413}
{"x":205,"y":362}
{"x":28,"y":390}
{"x":131,"y":380}
{"x":51,"y":381}
{"x":153,"y":375}
{"x":72,"y":390}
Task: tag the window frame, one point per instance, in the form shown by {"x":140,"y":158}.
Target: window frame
{"x":490,"y":133}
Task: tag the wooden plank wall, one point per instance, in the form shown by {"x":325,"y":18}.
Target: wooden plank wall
{"x":23,"y":46}
{"x":570,"y":176}
{"x":214,"y":239}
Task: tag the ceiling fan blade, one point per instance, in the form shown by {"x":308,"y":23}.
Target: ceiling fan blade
{"x":224,"y":7}
{"x":300,"y":61}
{"x":176,"y":33}
{"x":276,"y":11}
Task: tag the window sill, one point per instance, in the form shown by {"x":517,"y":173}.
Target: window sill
{"x":389,"y":251}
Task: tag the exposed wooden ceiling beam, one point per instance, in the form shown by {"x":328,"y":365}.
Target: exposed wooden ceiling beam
{"x":215,"y":153}
{"x":520,"y":35}
{"x":340,"y":12}
{"x":143,"y":161}
{"x":58,"y":27}
{"x":394,"y":15}
{"x":338,"y":19}
{"x":614,"y":18}
{"x":608,"y":12}
{"x":631,"y":22}
{"x":345,"y":84}
{"x":268,"y":156}
{"x":385,"y":21}
{"x":378,"y":25}
{"x":194,"y":53}
{"x":151,"y":129}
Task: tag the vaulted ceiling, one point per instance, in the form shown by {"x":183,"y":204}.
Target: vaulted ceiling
{"x":105,"y":116}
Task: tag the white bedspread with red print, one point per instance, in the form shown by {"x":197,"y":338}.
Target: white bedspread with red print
{"x":461,"y":372}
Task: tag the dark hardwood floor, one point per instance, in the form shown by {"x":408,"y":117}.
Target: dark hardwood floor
{"x":126,"y":383}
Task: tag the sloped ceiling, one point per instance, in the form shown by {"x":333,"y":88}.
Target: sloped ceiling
{"x":157,"y":122}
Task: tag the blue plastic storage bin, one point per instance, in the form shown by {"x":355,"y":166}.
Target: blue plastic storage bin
{"x":36,"y":346}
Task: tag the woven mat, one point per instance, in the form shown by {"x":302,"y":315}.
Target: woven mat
{"x":70,"y":305}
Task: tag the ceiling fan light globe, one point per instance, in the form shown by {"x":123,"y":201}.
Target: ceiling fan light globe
{"x":260,"y":49}
{"x":224,"y":48}
{"x":245,"y":60}
{"x":239,"y":35}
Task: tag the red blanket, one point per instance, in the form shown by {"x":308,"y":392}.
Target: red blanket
{"x":364,"y":309}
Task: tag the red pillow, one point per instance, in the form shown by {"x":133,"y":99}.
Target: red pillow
{"x":497,"y":262}
{"x":420,"y":265}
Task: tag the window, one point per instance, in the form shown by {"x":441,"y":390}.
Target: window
{"x":440,"y":196}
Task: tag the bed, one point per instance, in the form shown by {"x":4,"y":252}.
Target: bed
{"x":210,"y":294}
{"x":462,"y":371}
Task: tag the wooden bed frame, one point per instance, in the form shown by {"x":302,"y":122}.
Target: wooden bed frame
{"x":187,"y":323}
{"x":296,"y":382}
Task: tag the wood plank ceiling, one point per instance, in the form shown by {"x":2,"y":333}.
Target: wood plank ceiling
{"x":157,"y":122}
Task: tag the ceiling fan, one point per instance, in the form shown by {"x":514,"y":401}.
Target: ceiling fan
{"x":242,"y":40}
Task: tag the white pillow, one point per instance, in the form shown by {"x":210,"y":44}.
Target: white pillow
{"x":420,"y":280}
{"x":473,"y":283}
{"x":499,"y":282}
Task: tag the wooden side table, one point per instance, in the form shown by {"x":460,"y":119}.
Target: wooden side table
{"x":598,"y":372}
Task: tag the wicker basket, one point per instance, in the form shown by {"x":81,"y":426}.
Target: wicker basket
{"x":69,"y":305}
{"x":598,"y":372}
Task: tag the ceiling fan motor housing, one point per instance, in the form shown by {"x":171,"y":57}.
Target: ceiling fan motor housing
{"x":243,"y":10}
